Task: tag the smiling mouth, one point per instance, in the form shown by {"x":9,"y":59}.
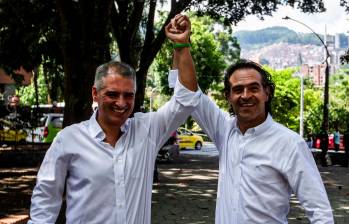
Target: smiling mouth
{"x":119,"y":110}
{"x":247,"y":105}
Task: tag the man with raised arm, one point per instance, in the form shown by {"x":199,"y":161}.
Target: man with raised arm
{"x":261,"y":162}
{"x":106,"y":163}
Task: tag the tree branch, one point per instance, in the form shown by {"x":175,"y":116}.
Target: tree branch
{"x":152,"y":46}
{"x":117,"y":27}
{"x":135,"y":19}
{"x":149,"y":36}
{"x":123,"y":12}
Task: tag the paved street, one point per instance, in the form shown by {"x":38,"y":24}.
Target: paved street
{"x":186,"y":193}
{"x":187,"y":190}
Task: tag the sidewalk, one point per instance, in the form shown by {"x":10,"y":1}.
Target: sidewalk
{"x":187,"y":192}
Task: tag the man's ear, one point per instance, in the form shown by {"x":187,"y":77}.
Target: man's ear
{"x":267,"y":92}
{"x":94,"y":93}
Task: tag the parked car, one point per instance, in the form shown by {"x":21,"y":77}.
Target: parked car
{"x":10,"y":135}
{"x":330,"y":142}
{"x":49,"y":125}
{"x":203,"y":135}
{"x":188,"y":139}
{"x":12,"y":131}
{"x":170,"y":150}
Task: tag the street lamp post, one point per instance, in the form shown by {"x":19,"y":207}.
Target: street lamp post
{"x":327,"y":74}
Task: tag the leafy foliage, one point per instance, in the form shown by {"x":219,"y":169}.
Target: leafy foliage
{"x":28,"y":30}
{"x":345,"y":58}
{"x":339,"y":103}
{"x":74,"y":35}
{"x":285,"y":103}
{"x":28,"y":93}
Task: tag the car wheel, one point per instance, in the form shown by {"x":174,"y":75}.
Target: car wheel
{"x":168,"y":157}
{"x":198,"y":146}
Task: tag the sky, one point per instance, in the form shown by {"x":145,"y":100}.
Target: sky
{"x":334,"y":19}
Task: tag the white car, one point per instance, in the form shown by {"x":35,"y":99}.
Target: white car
{"x":49,"y":125}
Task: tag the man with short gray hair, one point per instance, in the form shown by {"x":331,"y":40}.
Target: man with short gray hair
{"x":106,"y":163}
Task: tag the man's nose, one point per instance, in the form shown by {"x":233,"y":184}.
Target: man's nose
{"x":121,"y":101}
{"x":245,"y":93}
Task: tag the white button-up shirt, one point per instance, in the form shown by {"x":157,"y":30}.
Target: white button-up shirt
{"x":260,"y":169}
{"x":106,"y":184}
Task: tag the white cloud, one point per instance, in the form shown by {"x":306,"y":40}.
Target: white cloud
{"x":334,"y":19}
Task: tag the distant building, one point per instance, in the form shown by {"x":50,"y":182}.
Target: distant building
{"x":315,"y":72}
{"x":281,"y":55}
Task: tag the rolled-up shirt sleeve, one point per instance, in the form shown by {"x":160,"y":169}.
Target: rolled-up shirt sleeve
{"x":47,"y":195}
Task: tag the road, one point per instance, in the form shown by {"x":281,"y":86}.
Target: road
{"x":335,"y":179}
{"x":186,"y":193}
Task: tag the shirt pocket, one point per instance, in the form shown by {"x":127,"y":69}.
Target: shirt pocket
{"x":267,"y":174}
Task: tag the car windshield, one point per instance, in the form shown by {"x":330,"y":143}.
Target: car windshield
{"x":42,"y":121}
{"x":57,"y":122}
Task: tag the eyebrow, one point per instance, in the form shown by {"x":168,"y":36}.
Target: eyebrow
{"x":114,"y":91}
{"x":247,"y":85}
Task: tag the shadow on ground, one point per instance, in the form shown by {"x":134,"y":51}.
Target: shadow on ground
{"x":186,"y":193}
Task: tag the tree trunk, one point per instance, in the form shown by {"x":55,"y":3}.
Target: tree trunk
{"x":85,"y":45}
{"x":131,"y":50}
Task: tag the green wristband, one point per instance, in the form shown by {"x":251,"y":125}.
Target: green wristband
{"x":181,"y":45}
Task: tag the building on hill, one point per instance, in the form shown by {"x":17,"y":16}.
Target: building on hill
{"x":315,"y":72}
{"x":283,"y":55}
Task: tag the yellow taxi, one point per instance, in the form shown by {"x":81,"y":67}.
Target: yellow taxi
{"x":188,"y":139}
{"x":8,"y":134}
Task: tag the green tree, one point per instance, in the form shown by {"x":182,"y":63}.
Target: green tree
{"x":28,"y":93}
{"x":339,"y":103}
{"x":312,"y":109}
{"x":285,"y":104}
{"x":77,"y":35}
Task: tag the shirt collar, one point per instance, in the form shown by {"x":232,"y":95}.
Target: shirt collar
{"x":263,"y":126}
{"x":96,"y":130}
{"x":235,"y":123}
{"x":255,"y":130}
